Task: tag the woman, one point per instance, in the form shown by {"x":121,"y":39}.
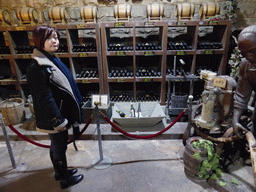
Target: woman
{"x":56,"y":99}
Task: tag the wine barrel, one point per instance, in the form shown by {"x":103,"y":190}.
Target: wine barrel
{"x":122,"y":11}
{"x":209,"y":9}
{"x":191,"y":164}
{"x":155,"y":10}
{"x":5,"y":16}
{"x":27,"y":15}
{"x":58,"y":14}
{"x":88,"y":12}
{"x":185,"y":11}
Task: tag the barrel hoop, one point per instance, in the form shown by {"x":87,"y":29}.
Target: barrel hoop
{"x":20,"y":15}
{"x":52,"y":14}
{"x":181,"y":10}
{"x":215,"y":11}
{"x":151,"y":8}
{"x":60,"y":13}
{"x":92,"y":11}
{"x":159,"y":10}
{"x":29,"y":14}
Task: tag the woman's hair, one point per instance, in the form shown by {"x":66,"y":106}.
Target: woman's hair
{"x":41,"y":33}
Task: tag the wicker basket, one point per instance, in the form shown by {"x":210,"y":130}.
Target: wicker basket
{"x":13,"y":111}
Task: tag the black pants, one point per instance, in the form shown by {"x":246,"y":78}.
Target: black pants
{"x":59,"y":143}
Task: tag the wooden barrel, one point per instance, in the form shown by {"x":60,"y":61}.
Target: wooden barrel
{"x":191,"y":164}
{"x":58,"y":14}
{"x":5,"y":16}
{"x":209,"y":9}
{"x":88,"y":12}
{"x":185,"y":10}
{"x":27,"y":15}
{"x":122,"y":11}
{"x":155,"y":10}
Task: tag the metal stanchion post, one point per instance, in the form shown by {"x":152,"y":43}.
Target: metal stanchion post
{"x":17,"y":170}
{"x":190,"y":113}
{"x":102,"y":162}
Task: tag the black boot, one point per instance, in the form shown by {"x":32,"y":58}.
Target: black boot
{"x":72,"y":180}
{"x":55,"y":166}
{"x":70,"y":173}
{"x":65,"y":179}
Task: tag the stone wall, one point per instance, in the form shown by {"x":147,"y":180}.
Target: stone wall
{"x":244,"y":9}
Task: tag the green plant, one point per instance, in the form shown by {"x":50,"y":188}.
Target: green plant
{"x":210,"y":167}
{"x":234,"y":62}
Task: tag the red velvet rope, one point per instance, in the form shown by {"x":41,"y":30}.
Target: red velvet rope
{"x":147,"y":136}
{"x":42,"y":145}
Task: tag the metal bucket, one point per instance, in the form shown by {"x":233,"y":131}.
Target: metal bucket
{"x":208,"y":10}
{"x":185,"y":11}
{"x":13,"y":111}
{"x":179,"y":101}
{"x":122,"y":11}
{"x":88,"y":13}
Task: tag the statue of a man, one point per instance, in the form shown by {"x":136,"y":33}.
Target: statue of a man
{"x":247,"y":78}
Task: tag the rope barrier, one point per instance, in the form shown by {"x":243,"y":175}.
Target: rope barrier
{"x":42,"y":145}
{"x":147,"y":136}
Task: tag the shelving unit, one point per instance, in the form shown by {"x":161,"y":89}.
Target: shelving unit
{"x":153,"y":46}
{"x":129,"y":61}
{"x":19,"y":39}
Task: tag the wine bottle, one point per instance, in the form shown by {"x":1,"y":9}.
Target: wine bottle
{"x":132,"y":111}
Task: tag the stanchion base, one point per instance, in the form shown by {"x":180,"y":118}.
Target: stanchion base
{"x":104,"y":164}
{"x":20,"y":169}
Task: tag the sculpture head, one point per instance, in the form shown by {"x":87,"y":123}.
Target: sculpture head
{"x":247,"y":43}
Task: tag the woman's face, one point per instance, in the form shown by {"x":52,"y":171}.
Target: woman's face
{"x":51,"y":44}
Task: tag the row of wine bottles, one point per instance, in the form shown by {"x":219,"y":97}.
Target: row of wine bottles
{"x":4,"y":50}
{"x":209,"y":45}
{"x":88,"y":74}
{"x":119,"y":47}
{"x":120,"y":73}
{"x":91,"y":47}
{"x":178,"y":46}
{"x":141,"y":97}
{"x":29,"y":49}
{"x":24,"y":49}
{"x":148,"y":46}
{"x":147,"y":73}
{"x":139,"y":73}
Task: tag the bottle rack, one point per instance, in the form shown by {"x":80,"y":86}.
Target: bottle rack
{"x":19,"y":40}
{"x":147,"y":51}
{"x":129,"y":61}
